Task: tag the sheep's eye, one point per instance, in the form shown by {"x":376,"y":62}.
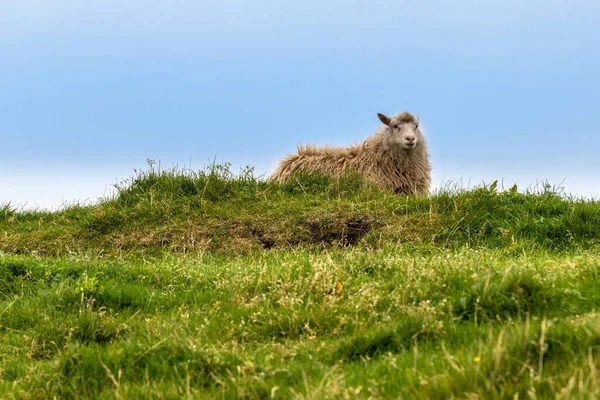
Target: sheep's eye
{"x":395,"y":126}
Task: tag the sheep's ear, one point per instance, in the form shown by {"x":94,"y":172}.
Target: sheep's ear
{"x":384,"y":119}
{"x":416,"y":117}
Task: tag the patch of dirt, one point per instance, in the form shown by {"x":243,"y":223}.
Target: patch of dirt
{"x":341,"y":232}
{"x":327,"y":229}
{"x":266,"y":242}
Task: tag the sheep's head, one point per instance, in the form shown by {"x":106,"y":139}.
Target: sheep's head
{"x":403,"y":131}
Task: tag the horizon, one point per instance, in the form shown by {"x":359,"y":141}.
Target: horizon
{"x":505,"y":91}
{"x":53,"y":190}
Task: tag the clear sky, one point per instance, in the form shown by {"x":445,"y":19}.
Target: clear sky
{"x":89,"y":90}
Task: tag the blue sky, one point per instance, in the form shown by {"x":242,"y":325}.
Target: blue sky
{"x":89,"y":90}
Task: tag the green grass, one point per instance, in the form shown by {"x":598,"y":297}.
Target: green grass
{"x":204,"y":284}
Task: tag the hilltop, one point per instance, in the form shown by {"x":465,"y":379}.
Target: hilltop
{"x":216,"y":211}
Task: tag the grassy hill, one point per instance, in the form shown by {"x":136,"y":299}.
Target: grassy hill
{"x":204,"y":284}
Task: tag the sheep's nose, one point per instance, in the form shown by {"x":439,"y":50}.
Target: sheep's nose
{"x":410,"y":139}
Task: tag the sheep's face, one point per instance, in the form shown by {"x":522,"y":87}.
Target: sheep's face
{"x":403,"y":131}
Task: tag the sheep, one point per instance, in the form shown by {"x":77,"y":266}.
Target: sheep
{"x":395,"y":158}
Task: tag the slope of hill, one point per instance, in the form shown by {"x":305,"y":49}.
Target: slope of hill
{"x":204,"y":284}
